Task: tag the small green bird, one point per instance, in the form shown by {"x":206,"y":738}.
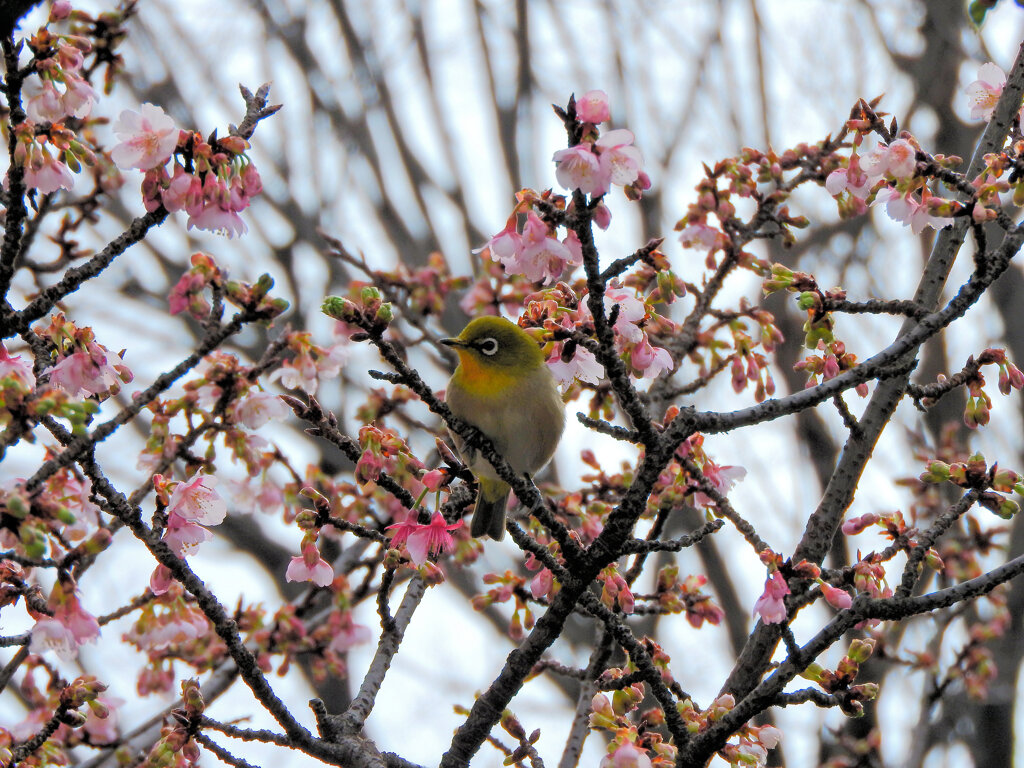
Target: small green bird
{"x":503,"y":388}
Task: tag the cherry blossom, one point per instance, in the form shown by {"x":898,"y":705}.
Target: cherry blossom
{"x":722,"y":477}
{"x":857,"y":524}
{"x":627,"y":755}
{"x":592,"y":107}
{"x":836,"y":597}
{"x":348,"y":635}
{"x":259,"y":408}
{"x":631,"y":311}
{"x":650,"y":361}
{"x":196,"y":500}
{"x":535,"y":253}
{"x":160,"y":580}
{"x":420,"y":540}
{"x":42,"y":101}
{"x":310,"y":566}
{"x":147,"y":138}
{"x":78,"y":96}
{"x":17,"y":368}
{"x":579,"y":168}
{"x":68,"y":628}
{"x":701,"y":235}
{"x":592,"y":167}
{"x":582,"y":365}
{"x":909,"y":211}
{"x":88,"y":371}
{"x":898,"y":159}
{"x":505,"y":244}
{"x":184,"y":536}
{"x":983,"y":94}
{"x":852,"y":180}
{"x":770,"y":604}
{"x":619,"y":159}
{"x":541,"y":584}
{"x":47,"y":174}
{"x":51,"y":635}
{"x":101,"y":719}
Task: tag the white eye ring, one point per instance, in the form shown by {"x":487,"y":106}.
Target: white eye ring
{"x":488,"y":346}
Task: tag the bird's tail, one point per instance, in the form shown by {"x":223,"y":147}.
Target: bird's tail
{"x":489,"y":515}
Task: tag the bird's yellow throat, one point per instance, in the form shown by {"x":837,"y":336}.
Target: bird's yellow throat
{"x":483,"y":380}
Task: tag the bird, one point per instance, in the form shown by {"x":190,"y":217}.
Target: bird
{"x":503,"y":387}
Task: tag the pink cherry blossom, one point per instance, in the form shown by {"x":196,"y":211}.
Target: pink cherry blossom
{"x":631,"y":312}
{"x":602,"y":215}
{"x":348,"y":635}
{"x":68,"y":628}
{"x":592,"y":107}
{"x":722,"y":477}
{"x":649,"y":360}
{"x":259,"y":408}
{"x":403,"y":530}
{"x":184,"y":536}
{"x":541,"y":584}
{"x":579,"y":168}
{"x":88,"y":371}
{"x":51,"y":635}
{"x":540,"y":257}
{"x":148,"y":138}
{"x":983,"y":94}
{"x":701,"y":235}
{"x":505,"y":244}
{"x":42,"y":101}
{"x":423,"y":540}
{"x":17,"y":368}
{"x":60,"y":10}
{"x":102,"y":726}
{"x":619,"y":159}
{"x":909,"y":211}
{"x":434,"y":479}
{"x":627,"y":756}
{"x":71,"y":58}
{"x":898,"y":159}
{"x":767,"y":735}
{"x":902,"y":159}
{"x":310,"y":566}
{"x":219,"y":219}
{"x":181,"y":626}
{"x":770,"y":605}
{"x":857,"y":524}
{"x":299,"y":373}
{"x":47,"y":174}
{"x":183,"y":192}
{"x":78,"y":96}
{"x":853,"y":179}
{"x":583,"y":366}
{"x":83,"y":625}
{"x":836,"y":597}
{"x":160,"y":580}
{"x":196,"y":500}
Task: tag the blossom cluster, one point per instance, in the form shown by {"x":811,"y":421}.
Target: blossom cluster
{"x":213,"y":185}
{"x":55,"y":92}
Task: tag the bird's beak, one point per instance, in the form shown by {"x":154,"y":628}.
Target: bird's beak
{"x":457,"y":343}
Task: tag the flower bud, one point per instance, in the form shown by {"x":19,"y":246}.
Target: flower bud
{"x":861,"y":649}
{"x":938,"y":471}
{"x":341,"y":309}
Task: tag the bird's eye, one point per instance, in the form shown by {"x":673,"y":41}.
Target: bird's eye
{"x":487,"y":346}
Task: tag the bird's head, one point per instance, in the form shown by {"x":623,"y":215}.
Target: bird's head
{"x":498,"y":344}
